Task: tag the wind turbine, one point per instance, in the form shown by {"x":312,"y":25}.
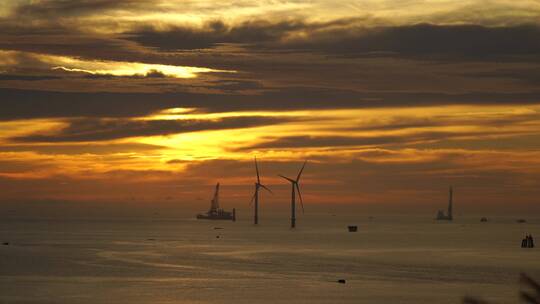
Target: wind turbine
{"x":294,"y":184}
{"x":255,"y":197}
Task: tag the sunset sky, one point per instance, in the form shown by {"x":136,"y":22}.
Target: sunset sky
{"x":390,"y":101}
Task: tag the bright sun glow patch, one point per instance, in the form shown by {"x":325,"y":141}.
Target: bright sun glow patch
{"x":98,"y":67}
{"x":131,"y":68}
{"x":118,"y":68}
{"x":191,"y":113}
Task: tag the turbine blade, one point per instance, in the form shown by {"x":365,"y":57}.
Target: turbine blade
{"x":300,"y":196}
{"x":266,"y":188}
{"x":290,"y":180}
{"x":300,"y":173}
{"x":257,"y":169}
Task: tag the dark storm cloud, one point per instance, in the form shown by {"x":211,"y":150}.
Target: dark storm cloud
{"x":530,"y":76}
{"x":268,"y":48}
{"x":76,"y":149}
{"x":188,"y":38}
{"x":27,"y":77}
{"x":83,"y":130}
{"x":418,"y":41}
{"x":235,"y":85}
{"x":71,"y":44}
{"x":428,"y":40}
{"x":150,"y":74}
{"x":70,"y":8}
{"x":21,"y":104}
{"x":272,"y":66}
{"x":64,"y":39}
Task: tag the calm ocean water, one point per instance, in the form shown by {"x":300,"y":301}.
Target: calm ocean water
{"x":391,"y":259}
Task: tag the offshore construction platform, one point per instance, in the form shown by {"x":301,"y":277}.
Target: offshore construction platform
{"x":446,"y":217}
{"x":215,"y":212}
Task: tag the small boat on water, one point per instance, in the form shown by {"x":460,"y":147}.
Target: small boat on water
{"x":352,"y":228}
{"x":215,"y":212}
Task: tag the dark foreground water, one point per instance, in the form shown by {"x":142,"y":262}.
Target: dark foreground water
{"x":180,"y":260}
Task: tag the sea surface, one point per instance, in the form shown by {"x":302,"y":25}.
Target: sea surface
{"x":159,"y":259}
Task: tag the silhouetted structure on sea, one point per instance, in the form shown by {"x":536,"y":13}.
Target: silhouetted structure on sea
{"x":527,"y":242}
{"x":216,"y":213}
{"x":448,"y":217}
{"x":294,"y":184}
{"x":255,"y":197}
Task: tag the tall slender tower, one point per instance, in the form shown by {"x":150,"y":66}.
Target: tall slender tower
{"x":293,"y":207}
{"x":255,"y":197}
{"x":450,"y":217}
{"x":295,"y":189}
{"x":256,"y":209}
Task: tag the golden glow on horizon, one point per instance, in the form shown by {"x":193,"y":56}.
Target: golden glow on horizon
{"x":10,"y":129}
{"x":177,"y":156}
{"x":460,"y":122}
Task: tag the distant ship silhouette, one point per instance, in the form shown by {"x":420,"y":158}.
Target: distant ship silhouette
{"x":216,"y":213}
{"x":446,"y":217}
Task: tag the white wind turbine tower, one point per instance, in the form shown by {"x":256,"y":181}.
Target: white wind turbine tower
{"x":294,"y":184}
{"x":255,"y":197}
